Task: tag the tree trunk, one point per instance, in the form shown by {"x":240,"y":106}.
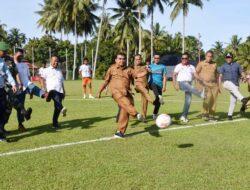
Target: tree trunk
{"x":74,"y":66}
{"x":140,"y":10}
{"x":183,"y":33}
{"x":67,"y":71}
{"x":98,"y":39}
{"x":127,"y":52}
{"x":152,"y":35}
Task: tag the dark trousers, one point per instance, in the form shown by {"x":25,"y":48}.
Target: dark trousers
{"x":57,"y":97}
{"x":157,"y":91}
{"x":2,"y":109}
{"x":21,"y":100}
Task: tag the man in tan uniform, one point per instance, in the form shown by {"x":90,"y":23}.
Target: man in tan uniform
{"x":119,"y":78}
{"x":207,"y":70}
{"x":140,"y":73}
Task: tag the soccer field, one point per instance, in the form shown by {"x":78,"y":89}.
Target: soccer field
{"x":82,"y":155}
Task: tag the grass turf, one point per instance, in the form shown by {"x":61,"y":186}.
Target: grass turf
{"x":208,"y":157}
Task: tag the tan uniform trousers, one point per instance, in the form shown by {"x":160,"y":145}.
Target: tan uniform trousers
{"x":210,"y":102}
{"x":145,"y":97}
{"x":126,"y":104}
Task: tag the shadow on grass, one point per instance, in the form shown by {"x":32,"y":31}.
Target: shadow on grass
{"x":186,"y":145}
{"x":85,"y":123}
{"x":152,"y":130}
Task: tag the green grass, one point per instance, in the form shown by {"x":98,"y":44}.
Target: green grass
{"x":208,"y":157}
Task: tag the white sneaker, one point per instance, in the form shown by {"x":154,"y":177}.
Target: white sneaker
{"x":139,"y":117}
{"x":91,"y":97}
{"x":183,"y":119}
{"x":161,"y":99}
{"x":155,"y":116}
{"x":64,"y":111}
{"x":84,"y":96}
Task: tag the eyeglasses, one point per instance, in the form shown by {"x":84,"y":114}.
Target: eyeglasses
{"x":184,"y":58}
{"x":156,"y":58}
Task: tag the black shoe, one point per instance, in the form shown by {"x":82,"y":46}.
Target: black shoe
{"x":3,"y":137}
{"x":56,"y":126}
{"x":118,"y":134}
{"x":21,"y":128}
{"x":242,"y":109}
{"x":244,"y":103}
{"x":27,"y":114}
{"x":230,"y":118}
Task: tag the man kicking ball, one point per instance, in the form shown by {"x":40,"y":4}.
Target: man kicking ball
{"x":119,"y":78}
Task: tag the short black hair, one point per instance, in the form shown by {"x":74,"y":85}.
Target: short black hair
{"x":210,"y":51}
{"x":19,"y":50}
{"x":137,"y":55}
{"x":185,"y":53}
{"x":85,"y":59}
{"x":121,"y":53}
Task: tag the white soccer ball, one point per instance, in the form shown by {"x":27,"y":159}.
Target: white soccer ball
{"x":163,"y":121}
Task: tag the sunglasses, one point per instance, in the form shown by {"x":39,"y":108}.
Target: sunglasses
{"x":184,"y":58}
{"x":156,"y":58}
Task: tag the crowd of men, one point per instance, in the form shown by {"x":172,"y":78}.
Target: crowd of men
{"x":15,"y":83}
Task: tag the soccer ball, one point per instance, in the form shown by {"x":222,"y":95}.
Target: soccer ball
{"x":163,"y":121}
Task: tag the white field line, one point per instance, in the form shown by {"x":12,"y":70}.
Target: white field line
{"x":110,"y":99}
{"x":110,"y":138}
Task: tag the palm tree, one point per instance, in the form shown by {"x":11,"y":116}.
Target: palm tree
{"x":243,"y":56}
{"x":99,"y":36}
{"x":69,"y":15}
{"x":183,"y":6}
{"x":151,"y":5}
{"x":15,"y":38}
{"x":235,"y":44}
{"x":218,"y":48}
{"x":127,"y":26}
{"x":3,"y":33}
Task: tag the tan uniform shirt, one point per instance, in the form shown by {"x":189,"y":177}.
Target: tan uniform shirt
{"x":208,"y":72}
{"x":119,"y":79}
{"x":137,"y":70}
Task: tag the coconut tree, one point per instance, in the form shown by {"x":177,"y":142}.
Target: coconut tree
{"x":127,"y":26}
{"x":15,"y":38}
{"x":183,"y":6}
{"x":151,"y":5}
{"x":235,"y":44}
{"x":71,"y":16}
{"x":3,"y":33}
{"x":243,"y":55}
{"x":99,"y":35}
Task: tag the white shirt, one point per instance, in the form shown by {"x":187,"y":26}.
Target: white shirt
{"x":24,"y":74}
{"x":185,"y":72}
{"x":85,"y":70}
{"x":54,"y":79}
{"x":40,"y":71}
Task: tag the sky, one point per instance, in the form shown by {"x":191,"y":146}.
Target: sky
{"x":217,"y":21}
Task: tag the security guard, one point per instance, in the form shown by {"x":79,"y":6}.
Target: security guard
{"x":4,"y":75}
{"x":140,"y":73}
{"x":207,"y":70}
{"x":119,"y":78}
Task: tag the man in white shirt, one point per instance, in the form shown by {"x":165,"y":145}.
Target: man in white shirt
{"x":26,"y":84}
{"x":86,"y":71}
{"x":54,"y":85}
{"x":184,"y":74}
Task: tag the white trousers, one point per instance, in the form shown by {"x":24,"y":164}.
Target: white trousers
{"x":235,"y":95}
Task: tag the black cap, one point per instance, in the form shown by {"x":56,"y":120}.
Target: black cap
{"x":229,"y":55}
